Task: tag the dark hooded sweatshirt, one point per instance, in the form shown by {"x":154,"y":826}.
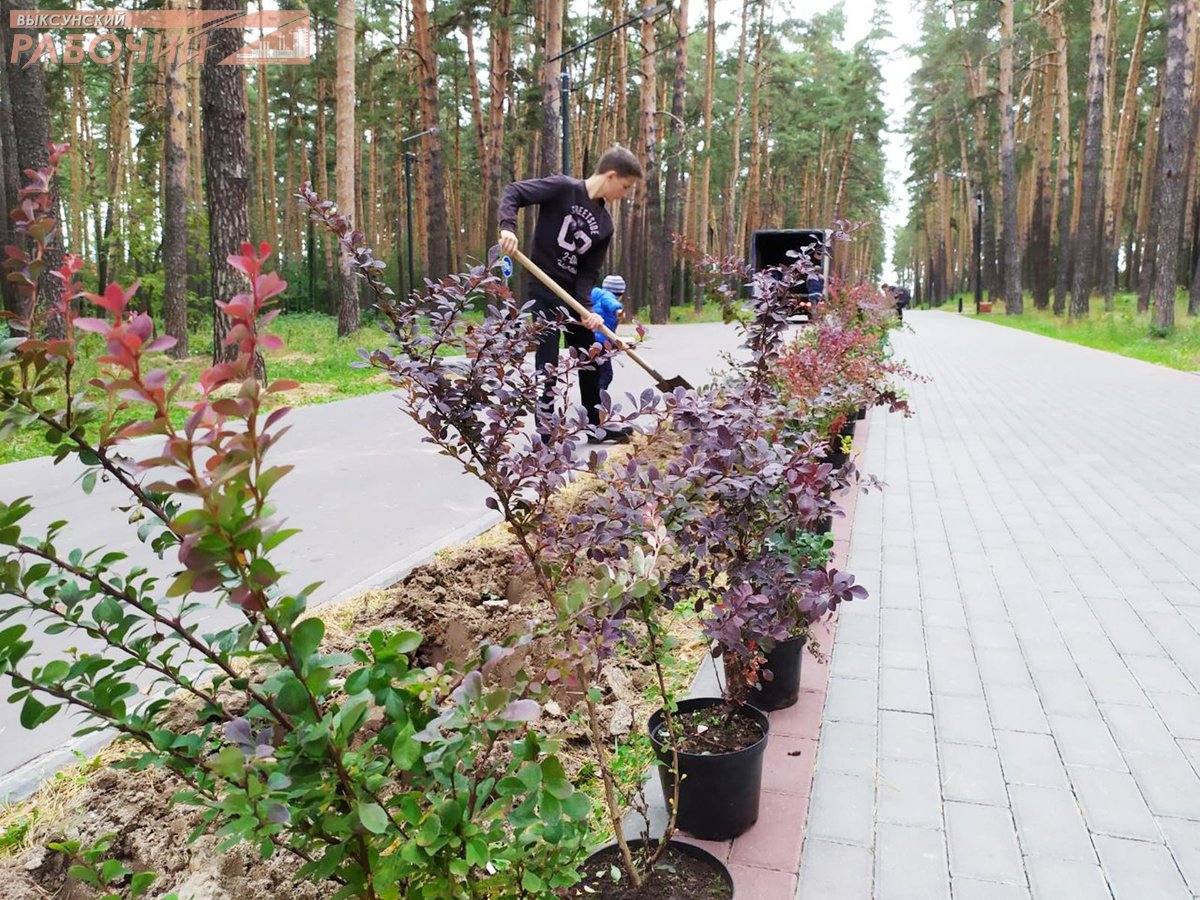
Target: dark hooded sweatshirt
{"x":572,"y":233}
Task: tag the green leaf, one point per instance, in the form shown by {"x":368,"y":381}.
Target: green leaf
{"x":107,"y":610}
{"x":532,"y":883}
{"x":139,"y":883}
{"x":404,"y":641}
{"x":477,"y":852}
{"x":459,"y":867}
{"x":372,"y":817}
{"x":577,"y":807}
{"x":306,"y":637}
{"x":84,"y":874}
{"x":34,"y":712}
{"x":292,"y":697}
{"x":406,"y":751}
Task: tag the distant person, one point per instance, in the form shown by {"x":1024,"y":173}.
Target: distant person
{"x":570,"y":239}
{"x":607,"y":303}
{"x":903,"y":300}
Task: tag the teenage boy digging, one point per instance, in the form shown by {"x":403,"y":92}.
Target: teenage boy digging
{"x":571,"y":237}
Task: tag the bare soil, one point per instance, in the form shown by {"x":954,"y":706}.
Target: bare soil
{"x":678,"y":876}
{"x":466,"y":596}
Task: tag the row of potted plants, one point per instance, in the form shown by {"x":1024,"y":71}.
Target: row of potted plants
{"x":379,"y":774}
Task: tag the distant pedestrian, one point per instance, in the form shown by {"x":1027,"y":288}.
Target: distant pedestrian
{"x":607,"y":303}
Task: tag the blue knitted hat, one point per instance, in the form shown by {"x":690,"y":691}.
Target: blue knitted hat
{"x":614,"y":283}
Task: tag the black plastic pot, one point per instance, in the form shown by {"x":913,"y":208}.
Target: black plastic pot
{"x":718,"y":796}
{"x":783,"y":662}
{"x":861,"y":414}
{"x":680,"y":846}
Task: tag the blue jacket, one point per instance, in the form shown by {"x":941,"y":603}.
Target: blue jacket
{"x":606,"y":305}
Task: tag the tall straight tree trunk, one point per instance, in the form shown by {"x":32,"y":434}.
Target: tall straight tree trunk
{"x":500,"y":61}
{"x":175,"y":165}
{"x":655,"y":240}
{"x":1038,"y":248}
{"x":321,"y":164}
{"x":433,"y":178}
{"x":1172,"y":171}
{"x":675,"y":155}
{"x":345,"y":157}
{"x":552,"y":112}
{"x":477,"y":126}
{"x":1114,"y":191}
{"x":1089,"y":185}
{"x":727,"y":217}
{"x":710,"y":68}
{"x":10,"y":183}
{"x":31,"y":123}
{"x":1062,"y":199}
{"x":226,"y":169}
{"x":1014,"y":303}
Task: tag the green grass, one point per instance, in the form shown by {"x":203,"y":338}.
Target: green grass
{"x":313,"y":355}
{"x":1123,"y":331}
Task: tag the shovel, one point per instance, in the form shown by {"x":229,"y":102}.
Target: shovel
{"x":666,"y":385}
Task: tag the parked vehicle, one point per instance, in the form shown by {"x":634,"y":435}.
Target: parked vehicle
{"x":776,"y":247}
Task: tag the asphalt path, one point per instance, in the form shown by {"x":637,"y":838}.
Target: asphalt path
{"x":371,"y":499}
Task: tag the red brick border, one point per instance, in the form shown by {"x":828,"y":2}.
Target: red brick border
{"x":765,"y":861}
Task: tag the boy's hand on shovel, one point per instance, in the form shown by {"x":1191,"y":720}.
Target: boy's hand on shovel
{"x":508,"y":242}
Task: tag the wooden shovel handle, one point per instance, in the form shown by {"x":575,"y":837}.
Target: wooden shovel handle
{"x":574,"y":304}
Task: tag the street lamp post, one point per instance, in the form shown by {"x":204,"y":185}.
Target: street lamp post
{"x":648,"y":12}
{"x":409,"y":159}
{"x":978,"y":251}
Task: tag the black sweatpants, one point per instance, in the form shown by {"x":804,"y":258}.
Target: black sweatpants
{"x":547,"y":353}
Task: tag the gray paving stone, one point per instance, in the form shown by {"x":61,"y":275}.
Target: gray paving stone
{"x":1065,"y":693}
{"x":1112,"y":804}
{"x":1137,"y":729}
{"x":842,"y":809}
{"x":962,"y":720}
{"x":1109,"y":680}
{"x":941,"y":641}
{"x":1086,"y":742}
{"x":855,"y":661}
{"x":1157,"y":673}
{"x":1180,"y":713}
{"x":857,"y":629}
{"x":909,"y":794}
{"x":971,"y":773}
{"x":904,"y":690}
{"x":983,"y":843}
{"x":1183,"y":840}
{"x":957,"y":675}
{"x":1138,"y":871}
{"x":1168,"y":783}
{"x":852,"y":700}
{"x":1003,"y":667}
{"x":972,"y":889}
{"x":910,"y":864}
{"x":906,"y":736}
{"x":1032,"y":759}
{"x":831,"y":871}
{"x":847,"y":747}
{"x":1058,"y":879}
{"x":1049,"y":823}
{"x":1015,"y":708}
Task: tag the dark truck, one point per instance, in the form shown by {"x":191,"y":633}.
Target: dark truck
{"x":770,"y":247}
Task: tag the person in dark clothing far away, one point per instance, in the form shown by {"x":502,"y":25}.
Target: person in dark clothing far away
{"x":606,"y":303}
{"x":573,"y":231}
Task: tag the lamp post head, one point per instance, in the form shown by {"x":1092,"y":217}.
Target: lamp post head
{"x":650,"y":12}
{"x":979,"y":198}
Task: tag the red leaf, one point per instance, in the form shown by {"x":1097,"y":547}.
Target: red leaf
{"x":271,"y":342}
{"x":282,"y":384}
{"x":165,"y":342}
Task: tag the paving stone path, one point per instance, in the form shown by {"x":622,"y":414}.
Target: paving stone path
{"x":1015,"y":713}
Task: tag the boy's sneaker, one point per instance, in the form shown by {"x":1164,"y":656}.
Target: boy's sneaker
{"x":609,"y":436}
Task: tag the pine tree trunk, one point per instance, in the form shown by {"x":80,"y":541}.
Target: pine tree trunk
{"x":675,"y":150}
{"x":175,"y":165}
{"x":1172,"y":170}
{"x":710,"y":68}
{"x":477,"y":126}
{"x":31,"y":123}
{"x":654,"y":241}
{"x":1061,"y":215}
{"x":1014,"y":303}
{"x":345,"y":157}
{"x":1038,"y":248}
{"x":321,"y":163}
{"x":1089,"y":185}
{"x":1115,"y":190}
{"x":727,"y":213}
{"x":551,"y":151}
{"x":433,"y":178}
{"x":501,"y":60}
{"x":10,"y":183}
{"x":226,"y":169}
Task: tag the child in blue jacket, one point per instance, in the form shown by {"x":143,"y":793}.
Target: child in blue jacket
{"x":606,"y":303}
